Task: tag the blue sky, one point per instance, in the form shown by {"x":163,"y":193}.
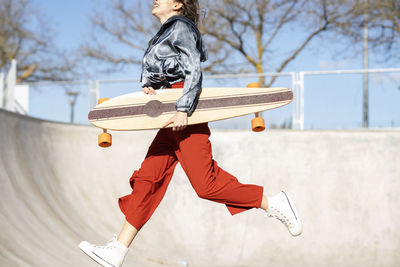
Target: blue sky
{"x":331,"y":101}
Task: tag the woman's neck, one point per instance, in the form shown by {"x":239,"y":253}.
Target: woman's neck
{"x":166,"y":17}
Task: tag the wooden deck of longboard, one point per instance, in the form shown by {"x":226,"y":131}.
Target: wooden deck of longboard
{"x":138,"y":111}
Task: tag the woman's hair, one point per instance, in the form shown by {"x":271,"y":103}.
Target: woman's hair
{"x":190,"y":9}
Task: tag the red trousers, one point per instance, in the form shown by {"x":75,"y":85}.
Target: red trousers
{"x":192,"y":149}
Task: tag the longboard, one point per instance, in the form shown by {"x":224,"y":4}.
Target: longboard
{"x":139,"y":111}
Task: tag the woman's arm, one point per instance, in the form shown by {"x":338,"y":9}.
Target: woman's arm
{"x":184,"y":40}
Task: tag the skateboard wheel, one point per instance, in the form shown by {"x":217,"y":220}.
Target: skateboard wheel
{"x":101,"y":100}
{"x":258,"y":124}
{"x":253,"y":85}
{"x":105,"y":140}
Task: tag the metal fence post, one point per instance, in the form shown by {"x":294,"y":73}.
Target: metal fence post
{"x":94,"y":91}
{"x":298,"y":103}
{"x":1,"y":89}
{"x":301,"y":85}
{"x":294,"y":108}
{"x":11,"y":80}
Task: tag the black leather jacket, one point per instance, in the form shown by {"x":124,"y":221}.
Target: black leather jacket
{"x":174,"y":55}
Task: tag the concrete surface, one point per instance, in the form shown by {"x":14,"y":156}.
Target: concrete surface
{"x":57,"y":187}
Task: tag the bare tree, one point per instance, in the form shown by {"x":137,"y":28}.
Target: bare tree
{"x":371,"y":24}
{"x":383,"y":21}
{"x":26,"y":37}
{"x":121,"y":31}
{"x":253,"y":29}
{"x":386,"y":22}
{"x":241,"y":35}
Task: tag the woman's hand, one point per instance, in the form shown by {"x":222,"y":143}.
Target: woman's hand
{"x":149,"y":90}
{"x":179,"y":121}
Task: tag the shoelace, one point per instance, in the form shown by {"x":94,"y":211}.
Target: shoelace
{"x":276,"y":213}
{"x":110,"y":244}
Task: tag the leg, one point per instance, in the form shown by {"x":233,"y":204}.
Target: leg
{"x":149,"y":183}
{"x":264,"y":203}
{"x":207,"y":178}
{"x":127,"y":234}
{"x":213,"y":183}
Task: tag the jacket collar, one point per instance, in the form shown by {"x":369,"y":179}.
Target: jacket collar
{"x":171,"y":20}
{"x":179,"y":17}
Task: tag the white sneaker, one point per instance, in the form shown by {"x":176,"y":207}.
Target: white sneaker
{"x":281,"y":207}
{"x":110,"y":255}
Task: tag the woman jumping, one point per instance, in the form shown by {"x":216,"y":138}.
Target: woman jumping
{"x":172,"y":60}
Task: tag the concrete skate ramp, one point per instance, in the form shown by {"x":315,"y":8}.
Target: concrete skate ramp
{"x":58,"y":188}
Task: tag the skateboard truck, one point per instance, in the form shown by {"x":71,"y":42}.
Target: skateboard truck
{"x":258,"y":123}
{"x":104,"y":139}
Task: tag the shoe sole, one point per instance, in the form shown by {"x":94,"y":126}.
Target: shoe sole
{"x":94,"y":256}
{"x":296,"y":215}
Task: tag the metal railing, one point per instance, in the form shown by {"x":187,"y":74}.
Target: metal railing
{"x":95,"y":87}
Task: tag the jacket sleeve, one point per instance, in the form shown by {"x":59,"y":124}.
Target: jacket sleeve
{"x":184,"y":40}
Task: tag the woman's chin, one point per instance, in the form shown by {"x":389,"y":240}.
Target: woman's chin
{"x":154,"y":13}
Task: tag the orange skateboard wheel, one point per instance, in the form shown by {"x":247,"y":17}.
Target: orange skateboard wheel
{"x":258,"y":124}
{"x":253,"y":85}
{"x":105,"y":139}
{"x":101,"y":100}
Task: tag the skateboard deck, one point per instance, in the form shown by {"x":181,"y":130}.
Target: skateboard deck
{"x":139,"y":111}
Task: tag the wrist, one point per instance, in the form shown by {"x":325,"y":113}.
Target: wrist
{"x":182,"y":113}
